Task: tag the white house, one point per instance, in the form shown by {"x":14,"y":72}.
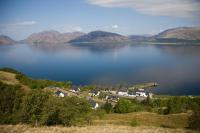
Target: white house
{"x":141,"y":93}
{"x":131,"y":94}
{"x":75,"y":89}
{"x":60,"y":93}
{"x":93,"y":104}
{"x":123,"y":93}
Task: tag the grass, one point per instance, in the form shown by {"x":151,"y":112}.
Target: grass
{"x":146,"y":119}
{"x":8,"y":78}
{"x":88,"y":129}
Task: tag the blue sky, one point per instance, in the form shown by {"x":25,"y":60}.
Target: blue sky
{"x":20,"y":18}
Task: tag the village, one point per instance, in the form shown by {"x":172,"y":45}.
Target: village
{"x":98,"y":96}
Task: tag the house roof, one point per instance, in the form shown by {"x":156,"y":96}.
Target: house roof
{"x":75,"y":88}
{"x":94,"y":91}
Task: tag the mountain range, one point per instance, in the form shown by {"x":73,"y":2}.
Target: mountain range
{"x":180,"y":34}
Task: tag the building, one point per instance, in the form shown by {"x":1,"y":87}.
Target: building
{"x":131,"y":93}
{"x":112,"y":98}
{"x":93,"y":104}
{"x":123,"y":93}
{"x":60,"y":93}
{"x":141,"y":94}
{"x":75,"y":89}
{"x":94,"y":93}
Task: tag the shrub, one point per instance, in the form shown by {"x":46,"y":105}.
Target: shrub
{"x":10,"y":99}
{"x":194,"y":120}
{"x":107,"y":107}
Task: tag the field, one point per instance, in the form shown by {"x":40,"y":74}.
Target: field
{"x":146,"y":119}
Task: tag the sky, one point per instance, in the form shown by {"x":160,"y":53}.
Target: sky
{"x":20,"y":18}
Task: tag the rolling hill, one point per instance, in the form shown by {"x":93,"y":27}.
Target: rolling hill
{"x":180,"y":33}
{"x":52,"y":37}
{"x":100,"y":37}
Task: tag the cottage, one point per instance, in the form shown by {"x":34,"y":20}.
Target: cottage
{"x":131,"y":93}
{"x":94,"y":93}
{"x":60,"y":93}
{"x":141,"y":93}
{"x":75,"y":89}
{"x":123,"y":93}
{"x":93,"y":104}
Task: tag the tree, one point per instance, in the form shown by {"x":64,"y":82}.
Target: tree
{"x":32,"y":106}
{"x":175,"y":105}
{"x":66,"y":111}
{"x":123,"y":106}
{"x":10,"y":99}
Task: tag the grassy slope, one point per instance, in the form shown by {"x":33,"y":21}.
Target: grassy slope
{"x":146,"y":119}
{"x":8,"y":78}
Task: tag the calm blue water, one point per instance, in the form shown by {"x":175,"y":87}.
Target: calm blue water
{"x":175,"y":68}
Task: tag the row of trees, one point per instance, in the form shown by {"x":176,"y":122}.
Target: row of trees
{"x":162,"y":106}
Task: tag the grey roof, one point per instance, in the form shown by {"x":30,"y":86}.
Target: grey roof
{"x":94,"y":91}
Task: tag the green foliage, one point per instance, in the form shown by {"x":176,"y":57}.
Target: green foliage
{"x":135,"y":123}
{"x":123,"y":106}
{"x":32,"y":106}
{"x":66,"y":111}
{"x":36,"y":84}
{"x":102,"y":95}
{"x":39,"y":107}
{"x":158,"y":103}
{"x":7,"y":69}
{"x":177,"y":105}
{"x":194,"y":120}
{"x":40,"y":84}
{"x":10,"y":99}
{"x":88,"y":87}
{"x":108,"y":107}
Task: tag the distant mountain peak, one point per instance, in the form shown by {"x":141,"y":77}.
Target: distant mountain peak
{"x":100,"y":36}
{"x":184,"y":33}
{"x":51,"y":37}
{"x":6,"y":40}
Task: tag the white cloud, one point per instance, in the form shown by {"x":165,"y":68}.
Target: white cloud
{"x":24,"y":23}
{"x":177,"y":8}
{"x":115,"y":26}
{"x":16,"y":26}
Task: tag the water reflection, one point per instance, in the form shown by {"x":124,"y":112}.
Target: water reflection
{"x":175,"y":68}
